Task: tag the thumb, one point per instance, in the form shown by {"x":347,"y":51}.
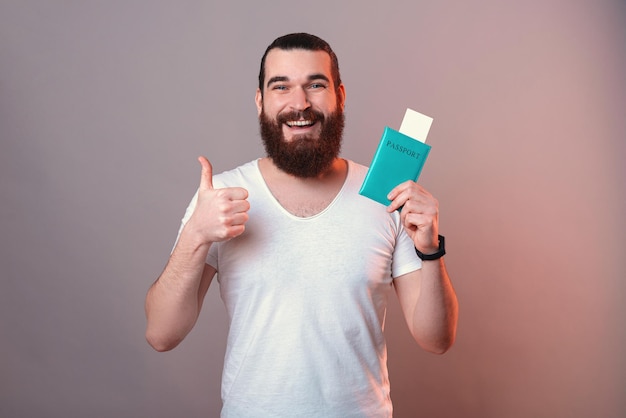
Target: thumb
{"x":206,"y":177}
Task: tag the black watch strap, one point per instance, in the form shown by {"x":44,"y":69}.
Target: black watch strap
{"x":440,"y":252}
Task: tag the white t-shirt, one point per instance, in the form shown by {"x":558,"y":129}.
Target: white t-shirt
{"x":306,"y":300}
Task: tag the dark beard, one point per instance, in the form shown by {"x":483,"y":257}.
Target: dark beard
{"x":304,"y":156}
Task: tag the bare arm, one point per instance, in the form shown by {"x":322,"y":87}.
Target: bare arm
{"x":173,"y":302}
{"x":429,"y":305}
{"x":426,"y":296}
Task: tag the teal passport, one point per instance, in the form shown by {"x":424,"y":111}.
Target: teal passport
{"x":397,"y":159}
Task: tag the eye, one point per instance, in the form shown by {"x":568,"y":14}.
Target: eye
{"x":316,"y":86}
{"x":280,"y":87}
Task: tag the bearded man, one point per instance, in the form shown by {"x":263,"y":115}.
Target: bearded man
{"x":305,"y":264}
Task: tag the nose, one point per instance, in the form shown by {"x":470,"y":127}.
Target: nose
{"x":299,"y":99}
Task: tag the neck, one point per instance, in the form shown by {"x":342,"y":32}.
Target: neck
{"x":304,"y":197}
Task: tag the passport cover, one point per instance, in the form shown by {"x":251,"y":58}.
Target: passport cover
{"x":398,"y":158}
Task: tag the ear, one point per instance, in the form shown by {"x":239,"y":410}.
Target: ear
{"x":341,"y":96}
{"x":258,"y":99}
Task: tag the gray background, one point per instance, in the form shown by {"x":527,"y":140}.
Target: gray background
{"x":105,"y":105}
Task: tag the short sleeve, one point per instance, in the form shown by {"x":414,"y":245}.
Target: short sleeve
{"x":405,"y":259}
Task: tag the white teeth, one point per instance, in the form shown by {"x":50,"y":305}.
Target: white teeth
{"x":299,"y":123}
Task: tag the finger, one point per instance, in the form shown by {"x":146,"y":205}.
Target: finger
{"x":417,"y":220}
{"x":398,"y":199}
{"x":238,"y":193}
{"x":240,"y":206}
{"x":206,"y":177}
{"x":396,"y":191}
{"x":395,"y":204}
{"x":233,"y":193}
{"x":239,"y":219}
{"x":235,"y":231}
{"x":230,"y":207}
{"x":395,"y":195}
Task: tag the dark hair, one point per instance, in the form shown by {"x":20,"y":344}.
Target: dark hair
{"x":304,"y":41}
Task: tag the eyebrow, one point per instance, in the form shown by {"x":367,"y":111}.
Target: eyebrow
{"x":281,"y":78}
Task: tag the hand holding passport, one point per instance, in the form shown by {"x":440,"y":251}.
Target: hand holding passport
{"x":399,"y":157}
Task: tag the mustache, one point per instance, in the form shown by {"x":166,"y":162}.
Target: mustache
{"x":307,"y":114}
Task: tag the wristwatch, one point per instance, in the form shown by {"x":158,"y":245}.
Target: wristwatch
{"x":437,"y":255}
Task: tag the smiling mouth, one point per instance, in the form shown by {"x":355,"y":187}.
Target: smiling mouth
{"x":299,"y":123}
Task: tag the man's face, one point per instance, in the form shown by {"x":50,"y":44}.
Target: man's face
{"x":300,"y":111}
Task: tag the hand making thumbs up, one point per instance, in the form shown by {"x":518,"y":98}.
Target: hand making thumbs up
{"x":220,"y":214}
